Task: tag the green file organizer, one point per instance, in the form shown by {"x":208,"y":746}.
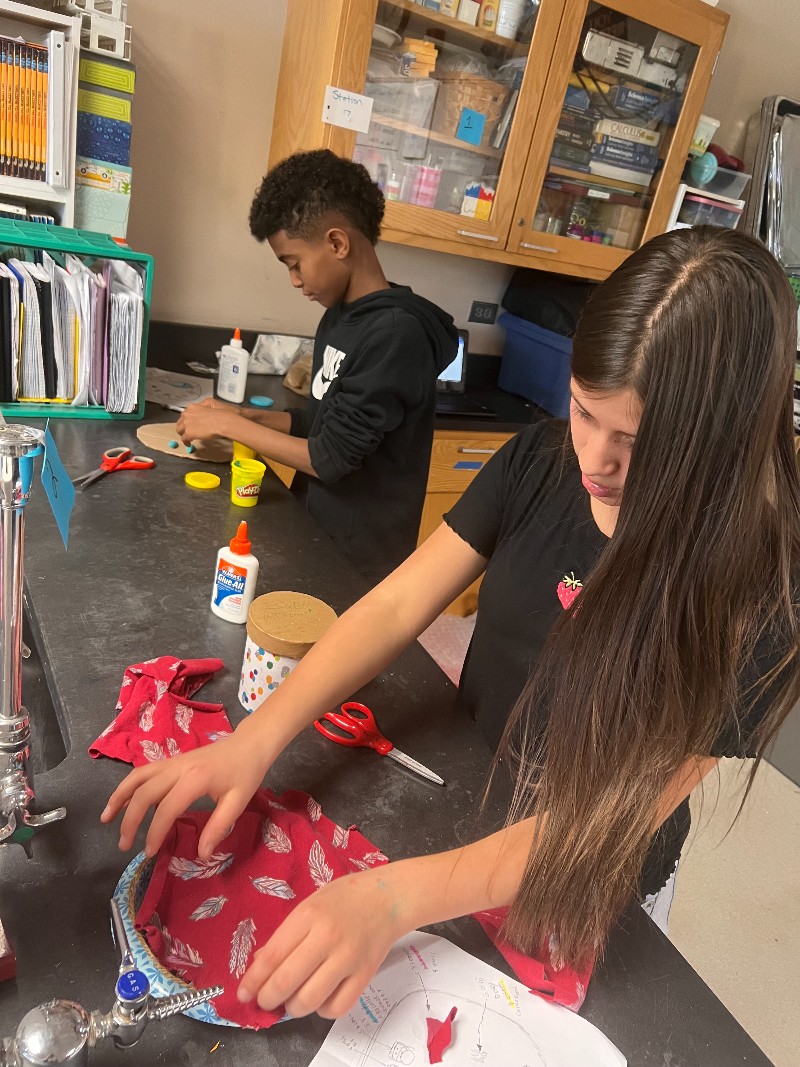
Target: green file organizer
{"x":26,"y":237}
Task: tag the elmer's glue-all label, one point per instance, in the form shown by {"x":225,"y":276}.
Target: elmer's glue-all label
{"x":234,"y":578}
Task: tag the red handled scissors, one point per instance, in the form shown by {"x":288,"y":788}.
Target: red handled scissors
{"x":114,"y":459}
{"x":356,"y":727}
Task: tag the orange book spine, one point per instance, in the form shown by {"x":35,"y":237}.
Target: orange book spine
{"x":38,"y":125}
{"x":3,"y":76}
{"x":9,"y":89}
{"x":27,"y":117}
{"x":16,"y":122}
{"x":45,"y":90}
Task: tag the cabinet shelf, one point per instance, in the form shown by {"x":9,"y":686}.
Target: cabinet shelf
{"x":439,"y":138}
{"x":579,"y":177}
{"x":460,"y":30}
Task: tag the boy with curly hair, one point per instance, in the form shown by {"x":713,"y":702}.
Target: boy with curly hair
{"x":362,"y":446}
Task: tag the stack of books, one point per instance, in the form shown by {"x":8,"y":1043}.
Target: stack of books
{"x":24,"y":72}
{"x":605,"y":130}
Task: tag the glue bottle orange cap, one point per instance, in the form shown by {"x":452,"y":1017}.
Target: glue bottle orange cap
{"x":241,"y":544}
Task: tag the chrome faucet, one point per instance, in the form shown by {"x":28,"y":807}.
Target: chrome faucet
{"x":59,"y":1033}
{"x":18,"y":820}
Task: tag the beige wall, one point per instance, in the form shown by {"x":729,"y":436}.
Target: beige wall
{"x":203,"y":108}
{"x":760,"y":57}
{"x":202,"y":119}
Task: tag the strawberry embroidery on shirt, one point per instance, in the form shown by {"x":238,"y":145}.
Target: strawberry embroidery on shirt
{"x":568,"y":589}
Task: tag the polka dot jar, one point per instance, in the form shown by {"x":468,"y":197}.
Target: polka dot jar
{"x":281,"y":628}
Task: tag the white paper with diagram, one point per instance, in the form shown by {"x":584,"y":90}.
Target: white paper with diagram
{"x":497,"y":1022}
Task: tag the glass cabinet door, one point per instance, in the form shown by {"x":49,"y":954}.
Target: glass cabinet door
{"x":443,"y":141}
{"x":600,"y":154}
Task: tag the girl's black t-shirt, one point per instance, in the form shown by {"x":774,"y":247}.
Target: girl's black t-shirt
{"x":529,"y":515}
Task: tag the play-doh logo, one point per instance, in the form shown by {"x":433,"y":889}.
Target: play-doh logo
{"x":246,"y":490}
{"x":230,"y":584}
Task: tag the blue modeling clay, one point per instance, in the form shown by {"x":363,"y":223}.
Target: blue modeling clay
{"x":261,"y":401}
{"x":172,"y":444}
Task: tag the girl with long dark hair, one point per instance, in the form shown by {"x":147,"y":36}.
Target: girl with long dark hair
{"x":638,"y":620}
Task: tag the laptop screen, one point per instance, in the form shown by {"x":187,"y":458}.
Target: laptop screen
{"x":452,"y":377}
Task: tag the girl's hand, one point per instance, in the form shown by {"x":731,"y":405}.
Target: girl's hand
{"x":322,"y":957}
{"x":229,"y":771}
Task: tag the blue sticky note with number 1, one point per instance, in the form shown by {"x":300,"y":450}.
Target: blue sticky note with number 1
{"x":57,"y":485}
{"x":470,"y":126}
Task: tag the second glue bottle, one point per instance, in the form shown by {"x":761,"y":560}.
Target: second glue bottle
{"x":235,"y":578}
{"x":233,"y":360}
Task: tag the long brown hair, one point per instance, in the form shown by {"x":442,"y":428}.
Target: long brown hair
{"x":655,"y":658}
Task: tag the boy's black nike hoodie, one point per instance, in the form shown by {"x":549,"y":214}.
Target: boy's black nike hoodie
{"x":369,"y":422}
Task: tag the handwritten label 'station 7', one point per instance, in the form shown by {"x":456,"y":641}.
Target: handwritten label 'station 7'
{"x":352,"y":111}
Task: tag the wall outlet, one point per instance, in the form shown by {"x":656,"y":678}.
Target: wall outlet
{"x":483,"y":312}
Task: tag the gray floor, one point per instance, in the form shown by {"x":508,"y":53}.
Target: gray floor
{"x":736,"y":915}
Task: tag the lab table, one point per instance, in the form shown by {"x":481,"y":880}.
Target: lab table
{"x":136,"y":584}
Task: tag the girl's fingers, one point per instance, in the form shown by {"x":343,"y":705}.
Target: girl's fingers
{"x":324,"y":982}
{"x":343,"y":997}
{"x":277,"y":969}
{"x":122,"y":794}
{"x":220,"y":822}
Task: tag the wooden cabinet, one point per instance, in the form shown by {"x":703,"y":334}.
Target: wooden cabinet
{"x":560,"y":148}
{"x":456,"y":457}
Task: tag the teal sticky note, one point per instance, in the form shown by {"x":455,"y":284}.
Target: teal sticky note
{"x":470,"y":126}
{"x":57,"y":485}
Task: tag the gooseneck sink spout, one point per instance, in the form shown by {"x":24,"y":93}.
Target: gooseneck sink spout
{"x":18,"y":817}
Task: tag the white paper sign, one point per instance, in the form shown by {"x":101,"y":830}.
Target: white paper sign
{"x":349,"y":110}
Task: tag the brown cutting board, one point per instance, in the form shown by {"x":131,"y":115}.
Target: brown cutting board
{"x":157,"y":435}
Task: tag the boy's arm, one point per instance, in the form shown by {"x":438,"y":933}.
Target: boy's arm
{"x":388,"y":374}
{"x":273,"y":441}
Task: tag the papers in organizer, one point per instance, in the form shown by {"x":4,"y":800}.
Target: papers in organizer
{"x":498,"y":1023}
{"x":125,"y":325}
{"x":31,"y":365}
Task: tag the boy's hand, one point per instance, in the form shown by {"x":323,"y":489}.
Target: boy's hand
{"x":229,"y":771}
{"x":323,"y":955}
{"x":209,"y":418}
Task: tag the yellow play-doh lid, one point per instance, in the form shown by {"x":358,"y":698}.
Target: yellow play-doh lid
{"x":201,"y":480}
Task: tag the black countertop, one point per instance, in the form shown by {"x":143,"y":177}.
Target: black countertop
{"x":136,"y":584}
{"x":173,"y":345}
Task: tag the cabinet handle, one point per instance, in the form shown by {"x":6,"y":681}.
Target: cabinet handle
{"x":537,"y":248}
{"x":479,"y":236}
{"x":477,"y":451}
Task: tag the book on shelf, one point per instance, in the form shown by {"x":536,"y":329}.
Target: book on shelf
{"x":580,"y":122}
{"x":633,"y":100}
{"x":569,"y":155}
{"x":627,"y":131}
{"x":565,"y":135}
{"x":632,"y":175}
{"x":625,"y":152}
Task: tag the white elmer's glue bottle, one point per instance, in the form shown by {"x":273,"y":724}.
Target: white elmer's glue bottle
{"x":235,"y":578}
{"x":233,"y":360}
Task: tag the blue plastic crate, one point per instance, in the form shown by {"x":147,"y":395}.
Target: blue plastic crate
{"x":536,"y":364}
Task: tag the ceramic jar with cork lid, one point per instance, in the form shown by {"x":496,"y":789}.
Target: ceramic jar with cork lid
{"x":281,"y":628}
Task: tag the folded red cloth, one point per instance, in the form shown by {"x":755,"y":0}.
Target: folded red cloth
{"x":155,"y":718}
{"x":203,"y":919}
{"x":561,"y":985}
